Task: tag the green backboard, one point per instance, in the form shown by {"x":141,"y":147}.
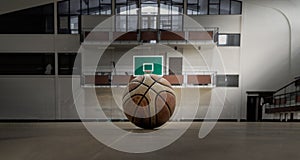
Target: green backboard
{"x":147,"y":64}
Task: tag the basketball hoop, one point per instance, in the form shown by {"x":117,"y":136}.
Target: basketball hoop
{"x":147,"y":64}
{"x":148,"y":68}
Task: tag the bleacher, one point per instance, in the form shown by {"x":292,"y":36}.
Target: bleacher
{"x":286,"y":99}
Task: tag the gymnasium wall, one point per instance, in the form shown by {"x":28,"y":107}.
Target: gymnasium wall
{"x":270,"y":45}
{"x":37,"y":96}
{"x":264,"y":61}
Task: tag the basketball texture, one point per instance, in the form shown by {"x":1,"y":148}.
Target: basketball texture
{"x":149,"y":101}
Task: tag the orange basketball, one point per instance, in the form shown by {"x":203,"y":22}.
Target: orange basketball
{"x":149,"y":101}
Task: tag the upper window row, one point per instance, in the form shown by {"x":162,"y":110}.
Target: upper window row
{"x":40,"y":19}
{"x":149,"y":7}
{"x":167,"y":7}
{"x":84,"y":7}
{"x":213,"y":7}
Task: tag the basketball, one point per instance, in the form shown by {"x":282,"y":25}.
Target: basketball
{"x":149,"y":101}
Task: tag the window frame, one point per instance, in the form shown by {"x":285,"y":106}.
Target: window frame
{"x":225,"y":82}
{"x":170,"y":3}
{"x":36,"y":68}
{"x":241,"y":7}
{"x":71,"y":56}
{"x":69,"y":14}
{"x":209,"y":4}
{"x":229,"y":45}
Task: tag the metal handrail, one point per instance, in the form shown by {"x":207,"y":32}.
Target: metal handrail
{"x":294,"y":81}
{"x":287,"y":99}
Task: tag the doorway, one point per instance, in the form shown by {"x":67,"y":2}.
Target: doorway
{"x":255,"y":102}
{"x":253,"y":109}
{"x":175,"y":66}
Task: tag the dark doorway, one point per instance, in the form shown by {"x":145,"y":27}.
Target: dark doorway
{"x":255,"y":102}
{"x":253,"y":109}
{"x":292,"y":117}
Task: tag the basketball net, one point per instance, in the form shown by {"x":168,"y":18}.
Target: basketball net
{"x":147,"y":71}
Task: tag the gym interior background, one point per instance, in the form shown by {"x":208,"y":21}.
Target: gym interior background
{"x":257,"y":40}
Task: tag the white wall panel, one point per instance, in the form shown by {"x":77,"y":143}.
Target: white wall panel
{"x":66,"y":101}
{"x":67,"y":43}
{"x":39,"y":43}
{"x":265,"y":53}
{"x":231,"y":59}
{"x":90,"y":22}
{"x":27,"y":43}
{"x":27,"y":98}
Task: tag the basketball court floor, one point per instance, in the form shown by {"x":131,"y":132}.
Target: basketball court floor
{"x":228,"y":140}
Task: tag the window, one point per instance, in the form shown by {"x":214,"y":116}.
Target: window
{"x":74,"y":22}
{"x":64,"y":25}
{"x":27,"y":64}
{"x":225,"y":7}
{"x":66,"y":64}
{"x":171,"y":7}
{"x":105,"y":7}
{"x":177,"y":23}
{"x":170,"y":15}
{"x":213,"y":7}
{"x":149,"y":12}
{"x":171,"y":22}
{"x":227,"y":80}
{"x":63,"y":8}
{"x":121,"y":23}
{"x":132,"y":23}
{"x":36,"y":20}
{"x":99,"y":7}
{"x":192,"y":7}
{"x":69,"y":12}
{"x":94,"y":7}
{"x":126,"y":7}
{"x":236,"y":7}
{"x":84,"y":7}
{"x":165,"y":22}
{"x":197,"y":7}
{"x":228,"y":39}
{"x":126,"y":19}
{"x":149,"y":7}
{"x":75,"y":7}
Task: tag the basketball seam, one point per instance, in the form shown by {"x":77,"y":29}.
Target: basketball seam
{"x":149,"y":111}
{"x":160,"y":82}
{"x":132,"y":97}
{"x":134,"y":87}
{"x":155,"y":79}
{"x":155,"y":90}
{"x":165,"y":85}
{"x":158,"y":95}
{"x":142,"y":99}
{"x":133,"y":116}
{"x":155,"y":109}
